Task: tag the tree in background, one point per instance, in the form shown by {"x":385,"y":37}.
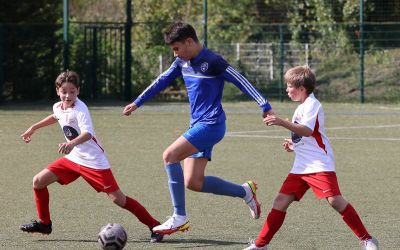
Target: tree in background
{"x":31,"y":48}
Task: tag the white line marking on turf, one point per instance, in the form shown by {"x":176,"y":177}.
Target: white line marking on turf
{"x":330,"y":138}
{"x":333,"y":128}
{"x":371,"y":126}
{"x":246,"y":134}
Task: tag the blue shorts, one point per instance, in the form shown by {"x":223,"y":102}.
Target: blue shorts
{"x":204,"y":137}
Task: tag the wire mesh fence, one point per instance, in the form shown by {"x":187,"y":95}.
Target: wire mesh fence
{"x":262,"y":44}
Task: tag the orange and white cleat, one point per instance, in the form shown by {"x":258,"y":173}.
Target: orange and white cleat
{"x":174,"y":224}
{"x":251,"y":199}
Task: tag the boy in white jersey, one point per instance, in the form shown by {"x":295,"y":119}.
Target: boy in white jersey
{"x":84,"y":157}
{"x":314,"y":165}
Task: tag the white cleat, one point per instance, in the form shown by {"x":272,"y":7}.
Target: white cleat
{"x":254,"y":247}
{"x":251,"y":199}
{"x":174,"y":224}
{"x":371,"y":244}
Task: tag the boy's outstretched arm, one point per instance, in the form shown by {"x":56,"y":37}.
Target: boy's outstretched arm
{"x":129,"y":109}
{"x":66,"y":147}
{"x":49,"y":120}
{"x":296,"y":128}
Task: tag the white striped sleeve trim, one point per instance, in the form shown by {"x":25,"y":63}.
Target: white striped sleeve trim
{"x":247,"y":85}
{"x":199,"y":76}
{"x":156,"y":80}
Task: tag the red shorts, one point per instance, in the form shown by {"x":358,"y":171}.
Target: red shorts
{"x":323,"y":184}
{"x":102,"y":180}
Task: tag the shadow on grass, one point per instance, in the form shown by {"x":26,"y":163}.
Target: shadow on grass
{"x":190,"y":243}
{"x":201,"y":243}
{"x":65,"y":240}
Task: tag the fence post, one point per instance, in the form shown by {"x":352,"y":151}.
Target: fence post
{"x":306,"y":53}
{"x":94,"y":64}
{"x":282,"y":61}
{"x":128,"y":52}
{"x":205,"y":22}
{"x":1,"y":62}
{"x":160,"y":60}
{"x":271,"y":63}
{"x":362,"y":51}
{"x":237,"y":51}
{"x":65,"y":35}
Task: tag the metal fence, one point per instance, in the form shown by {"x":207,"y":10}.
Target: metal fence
{"x":31,"y":58}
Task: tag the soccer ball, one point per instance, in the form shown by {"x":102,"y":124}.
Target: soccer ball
{"x":112,"y":237}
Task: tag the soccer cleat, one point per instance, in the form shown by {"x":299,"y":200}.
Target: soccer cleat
{"x":254,"y":247}
{"x":36,"y":227}
{"x":251,"y":199}
{"x":172,"y":225}
{"x":156,"y":237}
{"x":371,"y":244}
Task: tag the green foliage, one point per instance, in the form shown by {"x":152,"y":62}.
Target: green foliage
{"x":33,"y":39}
{"x":30,"y":46}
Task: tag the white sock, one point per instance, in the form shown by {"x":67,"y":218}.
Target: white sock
{"x":180,"y":218}
{"x":249,"y":194}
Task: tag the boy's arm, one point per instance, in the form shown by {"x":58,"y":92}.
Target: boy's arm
{"x":155,"y":87}
{"x":49,"y":120}
{"x":296,"y":128}
{"x":66,"y":147}
{"x":246,"y":87}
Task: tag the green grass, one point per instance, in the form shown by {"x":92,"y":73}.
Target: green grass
{"x":368,"y":172}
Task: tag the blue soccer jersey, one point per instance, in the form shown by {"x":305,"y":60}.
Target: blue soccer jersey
{"x":204,"y":77}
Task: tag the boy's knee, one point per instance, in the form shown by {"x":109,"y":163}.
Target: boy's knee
{"x":37,"y":183}
{"x":338,"y":203}
{"x":168,"y":157}
{"x":194,"y":185}
{"x":281,"y":203}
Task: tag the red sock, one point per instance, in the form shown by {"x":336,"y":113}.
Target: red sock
{"x":140,"y":212}
{"x":271,"y":225}
{"x":352,"y":219}
{"x":42,"y":204}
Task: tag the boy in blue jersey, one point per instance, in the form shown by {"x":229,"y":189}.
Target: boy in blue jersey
{"x":204,"y":73}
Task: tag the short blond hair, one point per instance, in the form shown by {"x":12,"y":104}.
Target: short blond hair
{"x":301,"y":76}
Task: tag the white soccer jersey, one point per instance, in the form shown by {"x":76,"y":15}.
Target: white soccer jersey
{"x":313,"y":153}
{"x":74,"y":121}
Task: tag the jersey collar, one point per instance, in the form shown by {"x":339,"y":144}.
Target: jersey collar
{"x":199,"y":56}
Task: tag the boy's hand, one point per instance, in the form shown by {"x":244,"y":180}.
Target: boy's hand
{"x":65,"y":147}
{"x":26,"y":136}
{"x":129,"y":109}
{"x":288,"y":145}
{"x":270,"y":120}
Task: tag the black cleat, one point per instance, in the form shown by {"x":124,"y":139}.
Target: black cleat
{"x":36,"y":227}
{"x":155,"y":237}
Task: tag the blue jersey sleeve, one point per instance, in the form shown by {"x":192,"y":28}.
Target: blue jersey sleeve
{"x":159,"y":84}
{"x":233,"y":76}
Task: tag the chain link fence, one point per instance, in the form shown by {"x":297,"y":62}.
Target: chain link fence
{"x":32,"y":57}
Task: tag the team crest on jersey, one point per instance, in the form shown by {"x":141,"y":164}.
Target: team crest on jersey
{"x":70,"y":132}
{"x":204,"y":66}
{"x":295,"y":137}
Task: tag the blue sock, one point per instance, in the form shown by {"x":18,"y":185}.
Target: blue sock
{"x":176,"y":187}
{"x":219,"y":186}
